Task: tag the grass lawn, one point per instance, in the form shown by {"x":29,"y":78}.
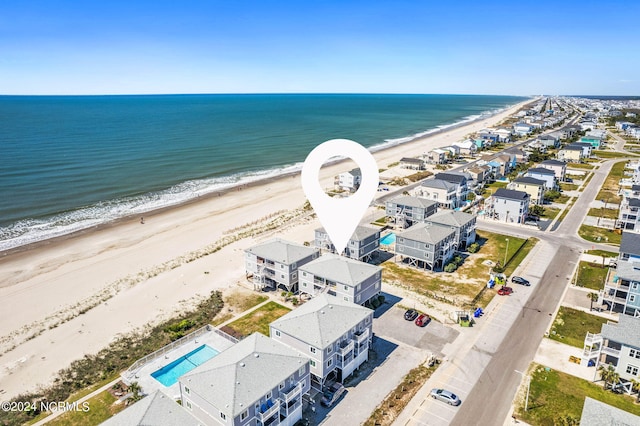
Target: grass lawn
{"x":599,"y":235}
{"x":602,"y":212}
{"x":419,"y":176}
{"x":591,"y":275}
{"x":568,"y":186}
{"x":603,"y":253}
{"x":609,"y":190}
{"x":562,"y":199}
{"x":555,"y":397}
{"x":571,"y":326}
{"x":580,"y":166}
{"x":238,"y":302}
{"x":258,"y":320}
{"x":380,"y":221}
{"x":516,"y":258}
{"x":611,"y":154}
{"x":101,"y":407}
{"x":550,"y":213}
{"x":492,"y":187}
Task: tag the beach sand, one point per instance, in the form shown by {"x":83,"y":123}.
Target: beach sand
{"x":127,"y":271}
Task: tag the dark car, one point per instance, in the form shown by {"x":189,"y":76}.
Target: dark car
{"x":445,"y":396}
{"x":411,"y":315}
{"x":332,"y":394}
{"x":520,"y":280}
{"x":505,"y":291}
{"x":423,"y":320}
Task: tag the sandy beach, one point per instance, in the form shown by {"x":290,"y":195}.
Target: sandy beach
{"x":71,"y":296}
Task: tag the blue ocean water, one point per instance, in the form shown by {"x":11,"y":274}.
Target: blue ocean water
{"x":71,"y":162}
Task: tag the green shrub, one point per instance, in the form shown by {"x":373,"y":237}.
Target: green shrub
{"x":450,"y":267}
{"x":473,"y":248}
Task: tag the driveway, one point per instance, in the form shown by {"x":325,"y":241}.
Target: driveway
{"x":392,"y":326}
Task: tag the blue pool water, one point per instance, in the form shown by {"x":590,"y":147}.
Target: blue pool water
{"x":170,"y":373}
{"x":388,"y":239}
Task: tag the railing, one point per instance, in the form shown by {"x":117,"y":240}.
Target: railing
{"x":171,"y":346}
{"x":275,"y":408}
{"x":291,"y":394}
{"x":225,"y":335}
{"x":346,"y":347}
{"x":592,"y":338}
{"x":362,"y":336}
{"x":611,"y":351}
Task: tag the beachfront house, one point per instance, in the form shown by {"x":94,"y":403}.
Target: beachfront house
{"x":274,"y":264}
{"x":335,"y":335}
{"x":617,"y":345}
{"x":257,"y":381}
{"x":508,"y":205}
{"x":629,"y":214}
{"x":411,"y":163}
{"x":532,"y":186}
{"x":559,"y":168}
{"x":464,"y":225}
{"x":504,"y":134}
{"x":630,"y":247}
{"x":461,"y":180}
{"x":348,"y":279}
{"x":570,"y":154}
{"x":543,"y":174}
{"x":440,"y":191}
{"x":404,"y":211}
{"x":621,"y":291}
{"x":522,"y":129}
{"x":362,"y":245}
{"x":437,"y":156}
{"x":467,"y":147}
{"x":350,"y":181}
{"x":426,"y":245}
{"x":154,"y":409}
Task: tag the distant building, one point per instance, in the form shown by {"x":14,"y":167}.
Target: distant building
{"x":587,"y":149}
{"x":532,"y":186}
{"x":405,"y":211}
{"x":559,"y":168}
{"x":275,"y":263}
{"x":594,"y":141}
{"x":522,"y":129}
{"x":362,"y":245}
{"x":426,"y":245}
{"x":412,"y":163}
{"x":509,"y":206}
{"x":549,"y":141}
{"x":617,"y":345}
{"x":348,"y":279}
{"x":350,"y":181}
{"x":438,"y":156}
{"x":335,"y":335}
{"x":479,"y":173}
{"x":543,"y":174}
{"x":256,"y":381}
{"x":467,"y":147}
{"x":571,"y":154}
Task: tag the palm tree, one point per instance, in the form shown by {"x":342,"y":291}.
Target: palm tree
{"x":593,"y":297}
{"x":635,"y":386}
{"x":606,"y":374}
{"x":135,"y":389}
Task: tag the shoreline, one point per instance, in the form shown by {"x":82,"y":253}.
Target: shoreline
{"x":381,"y":147}
{"x":44,"y":327}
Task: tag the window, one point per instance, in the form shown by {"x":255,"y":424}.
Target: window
{"x":302,"y":370}
{"x":223,"y":417}
{"x":244,"y":414}
{"x":281,"y":386}
{"x":632,"y":298}
{"x":187,"y":390}
{"x":312,"y":349}
{"x":634,"y":285}
{"x":268,"y":395}
{"x":367,"y":320}
{"x":304,"y":274}
{"x":312,"y":363}
{"x":330,"y":363}
{"x":346,"y":298}
{"x":278,"y":333}
{"x":257,"y":407}
{"x":357,"y":298}
{"x":634,"y":353}
{"x":281,"y":266}
{"x":632,"y":369}
{"x":189,"y":405}
{"x":329,"y":350}
{"x":346,"y":287}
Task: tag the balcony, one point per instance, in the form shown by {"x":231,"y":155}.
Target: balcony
{"x":361,"y":336}
{"x":291,"y":394}
{"x":269,"y":412}
{"x":611,"y":351}
{"x":345,"y":347}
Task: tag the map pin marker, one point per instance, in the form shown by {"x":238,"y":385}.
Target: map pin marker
{"x":340,"y":216}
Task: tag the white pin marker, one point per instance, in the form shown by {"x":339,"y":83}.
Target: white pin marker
{"x":340,"y":216}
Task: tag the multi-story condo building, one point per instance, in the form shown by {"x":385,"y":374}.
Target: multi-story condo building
{"x":630,"y":247}
{"x":348,"y":279}
{"x":154,"y":409}
{"x":426,"y":245}
{"x":334,"y":334}
{"x":362,"y":245}
{"x":508,"y":205}
{"x":621,"y":291}
{"x":559,"y":168}
{"x":464,"y":225}
{"x":257,"y":381}
{"x":617,"y":345}
{"x":629,"y":214}
{"x":532,"y":186}
{"x":439,"y":191}
{"x":543,"y":174}
{"x":404,"y":211}
{"x":275,"y":263}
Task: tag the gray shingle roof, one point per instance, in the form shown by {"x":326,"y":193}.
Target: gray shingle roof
{"x":411,"y":160}
{"x":452,"y":177}
{"x":322,"y":320}
{"x":510,"y":194}
{"x":340,"y":269}
{"x":553,"y":163}
{"x":630,"y":243}
{"x":634,"y":202}
{"x":361,"y":232}
{"x":431,"y":233}
{"x":596,"y":413}
{"x":541,"y":171}
{"x":282,"y":251}
{"x":238,"y":377}
{"x":439,"y":184}
{"x":626,"y":331}
{"x":154,"y":409}
{"x":451,"y":218}
{"x":628,"y":270}
{"x":406,"y":200}
{"x":530,"y":180}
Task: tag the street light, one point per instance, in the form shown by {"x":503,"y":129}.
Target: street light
{"x":526,"y":401}
{"x":505,"y":252}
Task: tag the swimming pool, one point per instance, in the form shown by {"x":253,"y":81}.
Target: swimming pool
{"x":388,"y":239}
{"x":170,"y":373}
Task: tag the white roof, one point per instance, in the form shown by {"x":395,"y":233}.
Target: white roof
{"x":340,"y":269}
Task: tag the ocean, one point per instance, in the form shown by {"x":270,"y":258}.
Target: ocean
{"x":72,"y":162}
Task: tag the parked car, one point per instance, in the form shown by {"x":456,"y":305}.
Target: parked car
{"x":411,"y":315}
{"x":505,"y":291}
{"x":445,"y":396}
{"x":423,"y":320}
{"x":332,"y":394}
{"x":520,"y":280}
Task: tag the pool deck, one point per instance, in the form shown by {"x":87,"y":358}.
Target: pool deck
{"x":142,"y":375}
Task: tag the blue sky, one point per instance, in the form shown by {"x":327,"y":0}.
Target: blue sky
{"x":482,"y":47}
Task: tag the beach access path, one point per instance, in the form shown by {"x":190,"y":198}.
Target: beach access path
{"x":71,"y":296}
